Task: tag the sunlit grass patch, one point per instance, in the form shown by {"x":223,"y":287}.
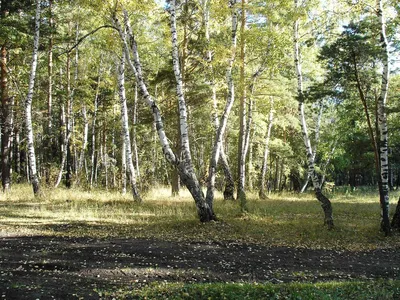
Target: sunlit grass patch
{"x":286,"y":219}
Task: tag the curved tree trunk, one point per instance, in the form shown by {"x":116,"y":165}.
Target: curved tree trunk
{"x":184,"y":167}
{"x":325,"y":202}
{"x":216,"y":152}
{"x":28,"y":106}
{"x":229,"y":189}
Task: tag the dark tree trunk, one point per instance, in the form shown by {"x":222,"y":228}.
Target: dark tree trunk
{"x":326,"y":206}
{"x":396,"y":217}
{"x":229,"y":190}
{"x":6,"y":127}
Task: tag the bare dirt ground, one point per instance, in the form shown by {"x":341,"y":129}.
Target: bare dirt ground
{"x":41,"y":267}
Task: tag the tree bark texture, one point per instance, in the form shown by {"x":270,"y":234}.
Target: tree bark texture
{"x":28,"y":105}
{"x":125,"y":131}
{"x":382,"y":124}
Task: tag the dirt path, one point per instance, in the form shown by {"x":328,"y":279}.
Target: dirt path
{"x":64,"y":268}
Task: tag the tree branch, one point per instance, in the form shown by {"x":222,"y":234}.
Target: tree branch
{"x":85,"y":36}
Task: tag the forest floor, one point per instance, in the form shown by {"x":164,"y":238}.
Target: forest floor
{"x":42,"y":267}
{"x":100,"y":245}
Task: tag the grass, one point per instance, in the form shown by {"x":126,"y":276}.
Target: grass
{"x":283,"y":220}
{"x":321,"y":291}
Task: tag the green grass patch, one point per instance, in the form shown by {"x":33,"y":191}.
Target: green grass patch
{"x":330,"y":290}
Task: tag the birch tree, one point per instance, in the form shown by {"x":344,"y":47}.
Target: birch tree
{"x":382,"y":122}
{"x":229,"y":181}
{"x":325,"y":202}
{"x":28,"y":105}
{"x":125,"y":131}
{"x":184,"y":166}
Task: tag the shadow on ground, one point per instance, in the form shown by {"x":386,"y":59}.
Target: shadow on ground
{"x":64,"y":268}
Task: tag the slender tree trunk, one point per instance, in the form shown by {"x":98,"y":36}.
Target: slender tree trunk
{"x":276,"y":181}
{"x":123,"y":169}
{"x":28,"y":106}
{"x":325,"y":202}
{"x":81,"y":166}
{"x":68,"y":175}
{"x":48,"y":125}
{"x":125,"y":130}
{"x":94,"y":149}
{"x":135,"y":148}
{"x":316,"y":141}
{"x":229,"y":181}
{"x":221,"y":124}
{"x":382,"y":124}
{"x":185,"y":168}
{"x":66,"y":122}
{"x":327,"y":163}
{"x":241,"y":195}
{"x":264,"y":168}
{"x":6,"y":128}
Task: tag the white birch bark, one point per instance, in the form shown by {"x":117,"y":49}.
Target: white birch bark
{"x":135,"y":148}
{"x":325,"y":203}
{"x":382,"y":122}
{"x":316,"y":141}
{"x":264,"y":169}
{"x":28,"y":106}
{"x":123,"y":171}
{"x":185,"y":147}
{"x":125,"y":131}
{"x":216,"y":152}
{"x":186,"y":172}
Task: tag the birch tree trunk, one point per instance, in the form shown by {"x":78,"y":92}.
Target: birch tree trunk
{"x":134,"y":142}
{"x":185,"y":168}
{"x":216,"y":152}
{"x":264,"y":168}
{"x":382,"y":124}
{"x":316,"y":141}
{"x":94,"y":119}
{"x":325,"y":202}
{"x":125,"y":131}
{"x":28,"y":106}
{"x":48,"y":125}
{"x":123,"y":163}
{"x":229,"y":181}
{"x":241,"y":195}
